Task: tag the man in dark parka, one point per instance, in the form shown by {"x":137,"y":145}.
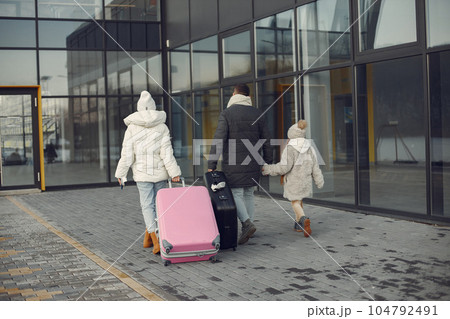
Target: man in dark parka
{"x":241,"y":133}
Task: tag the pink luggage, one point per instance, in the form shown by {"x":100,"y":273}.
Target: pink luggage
{"x":187,"y":226}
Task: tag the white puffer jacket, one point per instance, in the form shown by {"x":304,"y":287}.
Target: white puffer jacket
{"x":147,"y":148}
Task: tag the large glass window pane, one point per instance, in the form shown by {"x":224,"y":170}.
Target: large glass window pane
{"x":71,"y":72}
{"x":70,"y":35}
{"x":118,"y":109}
{"x":327,"y":102}
{"x":144,"y":10}
{"x":440,"y":131}
{"x":181,"y":132}
{"x":205,"y":63}
{"x":277,"y":99}
{"x":75,"y":141}
{"x":274,"y":44}
{"x":438,"y":22}
{"x":391,"y":135}
{"x":18,"y":67}
{"x":237,"y":55}
{"x":122,"y":69}
{"x":17,"y":33}
{"x":386,"y":23}
{"x":324,"y":37}
{"x":17,"y":8}
{"x":207,"y":110}
{"x":69,"y":9}
{"x":146,"y":73}
{"x":180,"y":70}
{"x":16,"y":140}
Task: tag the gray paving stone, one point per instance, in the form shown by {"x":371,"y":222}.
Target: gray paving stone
{"x":382,"y":254}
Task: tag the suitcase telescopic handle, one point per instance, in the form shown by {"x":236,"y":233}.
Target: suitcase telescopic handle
{"x":182,"y":182}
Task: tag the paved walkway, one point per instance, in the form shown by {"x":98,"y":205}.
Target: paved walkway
{"x":57,"y":245}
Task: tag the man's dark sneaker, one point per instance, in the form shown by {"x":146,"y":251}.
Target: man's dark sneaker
{"x":305,"y":222}
{"x":248,"y":229}
{"x":297,"y":227}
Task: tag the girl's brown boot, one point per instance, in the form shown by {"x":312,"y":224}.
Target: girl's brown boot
{"x":147,"y":240}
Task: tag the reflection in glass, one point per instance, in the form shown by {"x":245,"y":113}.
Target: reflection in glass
{"x":205,"y":63}
{"x":68,"y":72}
{"x":69,"y":9}
{"x":118,"y":109}
{"x":16,"y":140}
{"x":70,"y":35}
{"x":386,"y":23}
{"x":327,"y":100}
{"x":122,"y":68}
{"x":181,"y":132}
{"x":142,"y":10}
{"x":146,"y":73}
{"x":17,"y":8}
{"x":180,"y":71}
{"x":17,"y":33}
{"x":18,"y":67}
{"x":391,"y":135}
{"x":440,"y":132}
{"x":274,"y":44}
{"x":438,"y":22}
{"x":75,"y":141}
{"x":324,"y":37}
{"x":207,"y":110}
{"x":277,"y":99}
{"x":236,"y":55}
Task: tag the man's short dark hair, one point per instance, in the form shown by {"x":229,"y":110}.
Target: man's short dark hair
{"x":242,"y":89}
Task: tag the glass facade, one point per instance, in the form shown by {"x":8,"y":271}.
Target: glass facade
{"x":205,"y":63}
{"x":324,"y":35}
{"x":328,"y":108}
{"x":391,"y":135}
{"x":365,"y":92}
{"x":386,"y":23}
{"x":374,"y":95}
{"x":89,"y":84}
{"x":440,"y":131}
{"x":182,"y":133}
{"x":437,"y":22}
{"x":237,"y":55}
{"x":16,"y":142}
{"x":275,"y":44}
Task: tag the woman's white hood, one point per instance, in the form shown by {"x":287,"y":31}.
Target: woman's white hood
{"x":149,"y":118}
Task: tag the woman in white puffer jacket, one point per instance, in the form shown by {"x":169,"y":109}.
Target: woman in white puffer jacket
{"x":147,"y":149}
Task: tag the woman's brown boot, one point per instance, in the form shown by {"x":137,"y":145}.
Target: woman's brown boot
{"x":155,"y":243}
{"x":147,"y":240}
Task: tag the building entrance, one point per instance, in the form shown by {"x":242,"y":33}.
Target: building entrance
{"x":19,"y":138}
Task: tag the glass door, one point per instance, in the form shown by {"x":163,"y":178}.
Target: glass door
{"x":19,"y":143}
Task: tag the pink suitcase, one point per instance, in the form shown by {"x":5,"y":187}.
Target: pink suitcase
{"x":187,"y":226}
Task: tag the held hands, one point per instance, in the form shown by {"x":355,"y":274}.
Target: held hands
{"x":264,"y":170}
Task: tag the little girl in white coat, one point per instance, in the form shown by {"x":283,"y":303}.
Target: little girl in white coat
{"x":299,"y":166}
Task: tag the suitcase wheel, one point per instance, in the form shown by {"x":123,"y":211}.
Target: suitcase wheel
{"x":166,"y":263}
{"x":213,"y":259}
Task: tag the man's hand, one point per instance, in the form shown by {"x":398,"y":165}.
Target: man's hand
{"x":210,"y":170}
{"x":176,"y":179}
